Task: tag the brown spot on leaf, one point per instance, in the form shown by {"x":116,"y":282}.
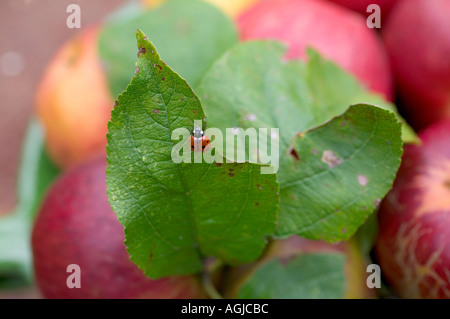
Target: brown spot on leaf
{"x":116,"y":103}
{"x":363,"y":180}
{"x":231,"y":174}
{"x":155,"y":111}
{"x":141,"y":51}
{"x":295,"y":154}
{"x":256,"y":204}
{"x":195,"y":111}
{"x":376,"y":203}
{"x":331,"y":159}
{"x":163,"y":79}
{"x":219,"y":164}
{"x":137,"y":70}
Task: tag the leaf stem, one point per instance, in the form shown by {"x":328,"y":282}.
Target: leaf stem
{"x":208,"y":285}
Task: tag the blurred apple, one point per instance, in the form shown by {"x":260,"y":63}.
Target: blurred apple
{"x":77,"y":226}
{"x":73,"y":101}
{"x":355,"y":267}
{"x":413,"y":245}
{"x":337,"y":33}
{"x":417,"y":38}
{"x":231,"y":7}
{"x":361,"y":5}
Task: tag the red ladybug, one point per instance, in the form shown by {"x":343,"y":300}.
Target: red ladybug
{"x":199,"y":142}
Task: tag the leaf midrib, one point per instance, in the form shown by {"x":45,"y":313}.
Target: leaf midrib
{"x":183,"y":179}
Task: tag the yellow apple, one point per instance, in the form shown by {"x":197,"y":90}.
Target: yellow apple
{"x":73,"y":101}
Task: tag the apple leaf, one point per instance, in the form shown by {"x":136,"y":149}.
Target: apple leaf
{"x":339,"y":173}
{"x":175,"y":214}
{"x":186,"y":45}
{"x":308,"y":276}
{"x":321,"y":171}
{"x":36,"y":173}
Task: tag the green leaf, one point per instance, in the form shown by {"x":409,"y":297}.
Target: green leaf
{"x":190,"y":35}
{"x":36,"y":172}
{"x":250,"y":86}
{"x":308,"y":276}
{"x":174,"y":214}
{"x":339,"y":173}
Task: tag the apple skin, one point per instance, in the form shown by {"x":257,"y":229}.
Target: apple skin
{"x":339,"y":34}
{"x":76,"y":225}
{"x":417,"y":39}
{"x":413,"y":244}
{"x":355,"y":268}
{"x":361,"y":5}
{"x":73,"y":101}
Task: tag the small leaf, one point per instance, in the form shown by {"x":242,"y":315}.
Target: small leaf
{"x":186,"y":45}
{"x":341,"y":171}
{"x":174,"y":214}
{"x":308,"y":276}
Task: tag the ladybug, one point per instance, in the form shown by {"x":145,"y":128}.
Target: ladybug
{"x":199,"y":141}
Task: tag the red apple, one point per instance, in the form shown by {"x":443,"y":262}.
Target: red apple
{"x":73,"y":101}
{"x":77,"y":226}
{"x":355,"y":267}
{"x":337,"y":33}
{"x":417,"y":38}
{"x":413,"y":246}
{"x":361,"y":5}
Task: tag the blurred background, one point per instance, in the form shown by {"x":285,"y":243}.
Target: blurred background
{"x":31,"y":32}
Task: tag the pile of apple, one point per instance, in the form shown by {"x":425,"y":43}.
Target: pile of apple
{"x":407,"y":60}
